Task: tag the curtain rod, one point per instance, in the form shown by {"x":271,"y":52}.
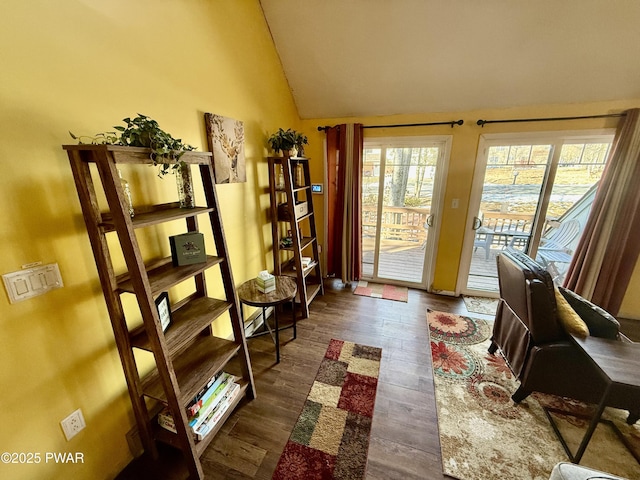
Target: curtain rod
{"x":482,"y":123}
{"x":452,"y":123}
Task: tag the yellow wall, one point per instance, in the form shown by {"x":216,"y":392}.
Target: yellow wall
{"x":462,"y":163}
{"x":84,"y":66}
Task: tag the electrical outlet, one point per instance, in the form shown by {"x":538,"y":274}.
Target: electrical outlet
{"x":73,"y":424}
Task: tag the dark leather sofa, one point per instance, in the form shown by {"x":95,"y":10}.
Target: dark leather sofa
{"x":532,"y":340}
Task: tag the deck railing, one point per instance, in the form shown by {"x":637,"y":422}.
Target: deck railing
{"x":409,"y":223}
{"x":397,"y":223}
{"x":507,"y":222}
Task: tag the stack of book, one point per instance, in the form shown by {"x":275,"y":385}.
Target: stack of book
{"x":286,"y":242}
{"x":207,"y":407}
{"x":307,"y":262}
{"x":265,"y":282}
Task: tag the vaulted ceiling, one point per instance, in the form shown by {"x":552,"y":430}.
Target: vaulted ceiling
{"x":382,"y":57}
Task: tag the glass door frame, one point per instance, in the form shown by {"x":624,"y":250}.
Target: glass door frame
{"x":443,"y":142}
{"x":554,"y":138}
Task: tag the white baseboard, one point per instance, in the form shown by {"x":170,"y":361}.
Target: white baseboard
{"x":255,"y":321}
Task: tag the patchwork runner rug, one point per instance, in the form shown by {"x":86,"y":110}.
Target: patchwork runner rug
{"x":484,"y":434}
{"x":378,"y":290}
{"x":484,"y":305}
{"x":331,"y":437}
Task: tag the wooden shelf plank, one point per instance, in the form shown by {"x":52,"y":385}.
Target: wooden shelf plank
{"x":193,"y":368}
{"x":312,"y":291}
{"x":186,"y":323}
{"x":288,"y":268}
{"x":134,"y":155}
{"x":304,"y":243}
{"x":154,"y":215}
{"x":303,"y":217}
{"x":313,"y":288}
{"x":301,"y":189}
{"x":164,"y":275}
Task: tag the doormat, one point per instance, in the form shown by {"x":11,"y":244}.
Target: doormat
{"x":485,"y":435}
{"x":331,"y":437}
{"x":484,"y":305}
{"x":379,"y":290}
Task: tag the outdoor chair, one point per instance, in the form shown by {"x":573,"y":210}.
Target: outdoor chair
{"x":555,"y":248}
{"x":539,"y":352}
{"x":484,"y":239}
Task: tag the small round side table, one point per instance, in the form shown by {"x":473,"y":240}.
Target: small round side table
{"x":286,"y":289}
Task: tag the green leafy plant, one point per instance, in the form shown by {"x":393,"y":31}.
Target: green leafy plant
{"x":143,"y":131}
{"x":285,"y":140}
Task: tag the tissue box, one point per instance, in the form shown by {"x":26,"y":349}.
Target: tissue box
{"x":265,"y":282}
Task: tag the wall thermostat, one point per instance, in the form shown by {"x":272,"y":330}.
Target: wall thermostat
{"x":316,"y":188}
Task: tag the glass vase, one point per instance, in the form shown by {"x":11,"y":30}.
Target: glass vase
{"x":185,"y":186}
{"x":127,"y":194}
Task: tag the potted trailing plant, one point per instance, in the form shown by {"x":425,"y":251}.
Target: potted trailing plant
{"x":166,"y":151}
{"x":287,"y":140}
{"x":301,"y":141}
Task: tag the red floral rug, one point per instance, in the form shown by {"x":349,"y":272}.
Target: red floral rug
{"x":331,"y":437}
{"x":484,"y":434}
{"x":379,"y":290}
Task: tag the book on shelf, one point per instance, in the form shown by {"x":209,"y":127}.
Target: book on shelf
{"x":215,"y":394}
{"x":212,"y":402}
{"x":204,"y":394}
{"x":286,"y":242}
{"x":216,"y":415}
{"x":307,"y":263}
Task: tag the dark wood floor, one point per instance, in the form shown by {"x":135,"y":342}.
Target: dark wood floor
{"x":404,"y":438}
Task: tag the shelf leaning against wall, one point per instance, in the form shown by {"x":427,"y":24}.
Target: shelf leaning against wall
{"x":295,"y":243}
{"x":187,"y":356}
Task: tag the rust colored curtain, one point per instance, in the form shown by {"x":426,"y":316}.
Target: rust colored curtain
{"x":344,"y":145}
{"x":610,"y":245}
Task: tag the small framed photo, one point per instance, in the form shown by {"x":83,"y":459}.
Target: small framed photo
{"x":164,"y":310}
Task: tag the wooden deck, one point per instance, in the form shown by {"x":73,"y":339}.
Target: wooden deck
{"x":399,"y":260}
{"x":403,"y":237}
{"x":483,"y":274}
{"x":403,"y":261}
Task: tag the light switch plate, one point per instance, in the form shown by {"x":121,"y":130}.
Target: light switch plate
{"x":31,"y":282}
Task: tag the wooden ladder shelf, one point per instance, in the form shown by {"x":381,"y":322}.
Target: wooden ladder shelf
{"x":187,"y":355}
{"x":293,"y":227}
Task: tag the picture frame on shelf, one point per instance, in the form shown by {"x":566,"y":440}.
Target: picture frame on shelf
{"x":164,"y":310}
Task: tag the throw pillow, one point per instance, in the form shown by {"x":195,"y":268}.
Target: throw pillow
{"x":569,"y":319}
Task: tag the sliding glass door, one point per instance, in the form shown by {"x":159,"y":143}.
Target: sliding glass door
{"x":532,"y":194}
{"x":401,"y":194}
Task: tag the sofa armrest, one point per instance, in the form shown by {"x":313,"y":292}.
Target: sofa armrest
{"x":600,"y":323}
{"x":543,"y":323}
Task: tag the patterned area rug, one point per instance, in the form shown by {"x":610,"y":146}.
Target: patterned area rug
{"x":484,"y":434}
{"x":331,"y":437}
{"x":484,"y":305}
{"x":378,"y":290}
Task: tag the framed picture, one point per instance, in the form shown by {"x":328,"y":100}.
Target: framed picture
{"x":226,"y":141}
{"x":164,"y":310}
